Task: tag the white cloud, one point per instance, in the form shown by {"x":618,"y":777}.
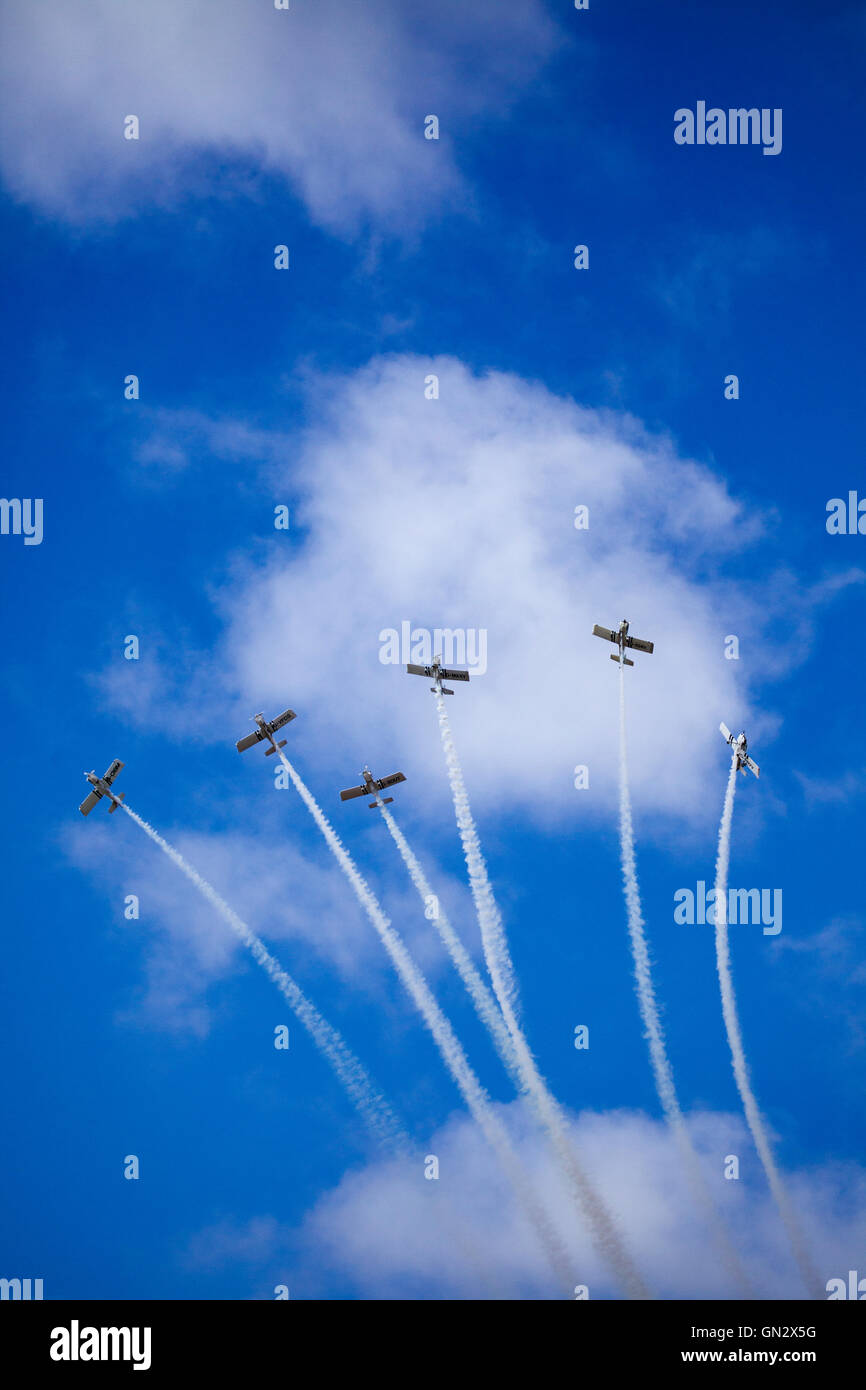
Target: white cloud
{"x":458,"y":513}
{"x":329,"y":96}
{"x":393,"y":1234}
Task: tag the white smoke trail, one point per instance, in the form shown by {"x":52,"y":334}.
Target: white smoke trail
{"x":372,"y":1107}
{"x":490,"y":919}
{"x":532,"y":1084}
{"x":651,"y":1017}
{"x":485,"y":1004}
{"x":443,"y":1035}
{"x":367,"y":1100}
{"x":754,"y":1118}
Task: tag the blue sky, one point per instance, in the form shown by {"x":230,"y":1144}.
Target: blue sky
{"x":306,"y":387}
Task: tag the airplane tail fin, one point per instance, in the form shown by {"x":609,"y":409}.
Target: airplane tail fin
{"x":113,"y":806}
{"x":282,"y":743}
{"x":444,"y":691}
{"x":385,"y":801}
{"x":625,"y":660}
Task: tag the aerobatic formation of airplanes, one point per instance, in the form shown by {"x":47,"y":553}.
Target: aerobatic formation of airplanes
{"x":740,"y":746}
{"x":265,"y":730}
{"x":102,"y":787}
{"x":438,"y":673}
{"x":372,"y":786}
{"x":622,"y":640}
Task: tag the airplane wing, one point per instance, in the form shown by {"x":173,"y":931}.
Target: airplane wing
{"x":283,"y":718}
{"x":113,"y":771}
{"x":639,"y":644}
{"x":753,"y":766}
{"x":604,"y":632}
{"x":89,"y":802}
{"x":419,"y":670}
{"x":391,"y":781}
{"x":453,"y":675}
{"x":726,"y":733}
{"x":352,"y":791}
{"x":249,"y":741}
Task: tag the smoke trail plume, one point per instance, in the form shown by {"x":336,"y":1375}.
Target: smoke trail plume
{"x":493,"y":932}
{"x":651,"y":1017}
{"x":485,"y":1004}
{"x":443,"y":1035}
{"x":754,"y":1118}
{"x":366,"y":1099}
{"x":532,"y":1084}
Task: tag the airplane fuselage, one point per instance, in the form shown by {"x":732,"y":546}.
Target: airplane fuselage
{"x":101,"y":786}
{"x":436,"y":671}
{"x":269,"y":733}
{"x":620,"y":638}
{"x":740,"y":749}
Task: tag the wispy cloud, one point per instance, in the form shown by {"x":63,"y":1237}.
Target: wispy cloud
{"x":173,"y":440}
{"x":837,"y":969}
{"x":825,"y":791}
{"x":329,"y":97}
{"x":706,"y":270}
